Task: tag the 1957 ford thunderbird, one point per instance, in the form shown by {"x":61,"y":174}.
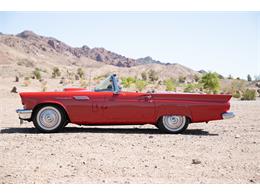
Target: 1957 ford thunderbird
{"x":107,"y":104}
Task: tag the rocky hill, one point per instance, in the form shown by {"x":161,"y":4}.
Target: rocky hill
{"x":28,"y":50}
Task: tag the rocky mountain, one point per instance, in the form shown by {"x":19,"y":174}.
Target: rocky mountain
{"x":35,"y":44}
{"x":149,"y":60}
{"x":29,"y":50}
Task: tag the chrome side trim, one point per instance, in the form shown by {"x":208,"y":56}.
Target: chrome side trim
{"x":81,"y":97}
{"x":24,"y":114}
{"x":228,"y":115}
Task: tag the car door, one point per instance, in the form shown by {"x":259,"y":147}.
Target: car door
{"x":86,"y":107}
{"x":128,"y":108}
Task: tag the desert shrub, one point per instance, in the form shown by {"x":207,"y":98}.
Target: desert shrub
{"x":83,"y":83}
{"x":170,"y":86}
{"x":56,"y":72}
{"x":210,"y":82}
{"x":80,"y":72}
{"x":144,"y":76}
{"x":140,"y":85}
{"x":127,"y":81}
{"x":152,"y":75}
{"x":37,"y":74}
{"x":25,"y":62}
{"x":181,"y":79}
{"x":196,"y":78}
{"x":249,"y":94}
{"x":189,"y":88}
{"x":193,"y":88}
{"x":237,"y":85}
{"x":236,"y":94}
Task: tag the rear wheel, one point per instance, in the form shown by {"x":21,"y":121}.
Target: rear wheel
{"x":173,"y":124}
{"x":49,"y":118}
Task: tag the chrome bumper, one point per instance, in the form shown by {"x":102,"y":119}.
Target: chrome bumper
{"x":228,"y":115}
{"x":24,"y":114}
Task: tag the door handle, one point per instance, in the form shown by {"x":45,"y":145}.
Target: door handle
{"x":86,"y":98}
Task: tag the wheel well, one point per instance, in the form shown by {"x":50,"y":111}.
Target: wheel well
{"x":38,"y":106}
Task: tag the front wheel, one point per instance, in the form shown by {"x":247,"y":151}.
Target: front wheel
{"x":173,"y":124}
{"x":49,"y":119}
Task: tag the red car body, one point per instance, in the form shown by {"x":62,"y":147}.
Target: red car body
{"x":130,"y":107}
{"x":85,"y":107}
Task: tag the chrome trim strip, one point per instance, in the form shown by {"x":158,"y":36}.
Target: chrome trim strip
{"x":24,"y":114}
{"x":81,"y":97}
{"x":228,"y":115}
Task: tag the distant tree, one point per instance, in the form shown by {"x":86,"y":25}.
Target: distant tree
{"x":230,"y":76}
{"x":80,"y":72}
{"x":210,"y":82}
{"x":56,"y":72}
{"x":249,"y":78}
{"x":152,"y":75}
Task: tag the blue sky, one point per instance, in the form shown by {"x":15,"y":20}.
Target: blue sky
{"x":226,"y":42}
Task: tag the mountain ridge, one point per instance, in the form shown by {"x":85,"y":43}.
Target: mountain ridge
{"x":30,"y":49}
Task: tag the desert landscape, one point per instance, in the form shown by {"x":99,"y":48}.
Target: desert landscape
{"x":226,"y":151}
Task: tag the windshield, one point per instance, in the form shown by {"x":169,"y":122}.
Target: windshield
{"x":105,"y":85}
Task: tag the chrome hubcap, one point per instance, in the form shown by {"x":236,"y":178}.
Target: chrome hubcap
{"x":174,"y":123}
{"x":48,"y":118}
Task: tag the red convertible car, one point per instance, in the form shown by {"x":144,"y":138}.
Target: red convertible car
{"x":107,"y":104}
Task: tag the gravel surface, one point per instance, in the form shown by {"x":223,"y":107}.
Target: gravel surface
{"x":225,"y":151}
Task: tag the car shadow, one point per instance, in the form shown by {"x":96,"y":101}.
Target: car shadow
{"x":119,"y":130}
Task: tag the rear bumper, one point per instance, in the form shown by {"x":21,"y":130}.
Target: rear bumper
{"x":228,"y":115}
{"x":24,"y":114}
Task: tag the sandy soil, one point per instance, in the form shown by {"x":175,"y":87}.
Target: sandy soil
{"x":225,"y":151}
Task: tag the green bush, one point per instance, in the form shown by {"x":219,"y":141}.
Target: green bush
{"x":189,"y":88}
{"x":249,"y":94}
{"x":144,"y":76}
{"x":80,"y":72}
{"x":140,"y":85}
{"x":210,"y":82}
{"x":196,"y":78}
{"x":236,"y":94}
{"x":152,"y":75}
{"x":127,"y":81}
{"x":170,"y":86}
{"x":182,"y":79}
{"x":56,"y":72}
{"x":37,"y":73}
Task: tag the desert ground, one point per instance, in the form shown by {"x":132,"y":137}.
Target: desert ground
{"x":226,"y":151}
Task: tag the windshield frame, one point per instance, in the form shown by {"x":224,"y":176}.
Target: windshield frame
{"x":114,"y":81}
